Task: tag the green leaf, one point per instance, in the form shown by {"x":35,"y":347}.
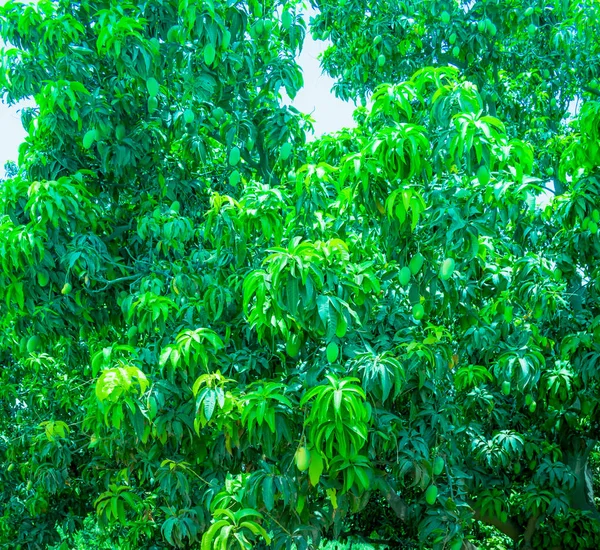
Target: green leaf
{"x":210,"y":401}
{"x":268,"y":492}
{"x":210,"y":534}
{"x":286,"y":20}
{"x":316,"y":467}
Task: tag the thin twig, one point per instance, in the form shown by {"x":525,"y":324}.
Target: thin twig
{"x":115,"y":281}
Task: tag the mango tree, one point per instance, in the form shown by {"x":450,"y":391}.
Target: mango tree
{"x":216,"y":334}
{"x":145,"y":112}
{"x":531,"y":60}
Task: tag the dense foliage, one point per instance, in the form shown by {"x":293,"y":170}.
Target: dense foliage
{"x":529,"y":59}
{"x":213,"y":331}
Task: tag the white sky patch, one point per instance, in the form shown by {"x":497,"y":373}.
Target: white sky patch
{"x":12,"y":133}
{"x":316,"y":98}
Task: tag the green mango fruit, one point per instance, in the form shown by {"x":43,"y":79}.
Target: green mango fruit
{"x":285,"y":151}
{"x":447,"y":269}
{"x":218,"y":113}
{"x":226,"y":39}
{"x":381,"y":60}
{"x":234,"y":178}
{"x":342,"y":327}
{"x":173,"y":34}
{"x":332,"y":352}
{"x":506,"y":387}
{"x":234,"y":156}
{"x":34,"y":343}
{"x":404,"y":275}
{"x":302,"y":458}
{"x":292,"y":345}
{"x":445,"y":17}
{"x":152,"y":86}
{"x":66,"y":289}
{"x":586,"y":407}
{"x":209,"y":54}
{"x":528,"y":399}
{"x":152,"y":104}
{"x":188,"y":116}
{"x":483,"y":175}
{"x":89,"y":138}
{"x":452,"y":38}
{"x":418,"y":312}
{"x":43,"y":278}
{"x":438,"y":465}
{"x":431,"y":494}
{"x":259,"y":27}
{"x":416,"y":263}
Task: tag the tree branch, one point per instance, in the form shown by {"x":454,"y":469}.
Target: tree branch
{"x":530,"y":529}
{"x":114,"y":282}
{"x":396,"y":503}
{"x":509,"y":527}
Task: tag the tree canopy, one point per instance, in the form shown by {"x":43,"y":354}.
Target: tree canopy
{"x":215,"y":332}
